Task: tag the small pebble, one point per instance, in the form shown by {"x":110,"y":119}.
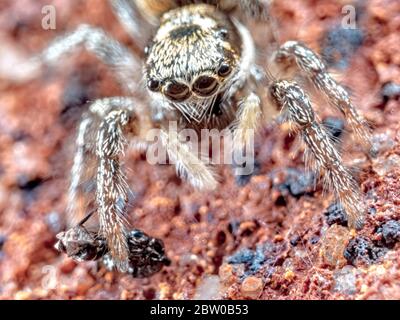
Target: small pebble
{"x":251,"y":287}
{"x":333,"y":245}
{"x":226,"y":274}
{"x":345,"y":280}
{"x":289,"y":275}
{"x":208,"y":289}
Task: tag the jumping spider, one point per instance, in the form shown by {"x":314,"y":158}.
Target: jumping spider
{"x":201,"y":70}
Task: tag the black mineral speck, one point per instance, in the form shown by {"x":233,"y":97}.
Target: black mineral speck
{"x":294,"y":241}
{"x":265,"y":255}
{"x":390,"y":90}
{"x":243,"y":179}
{"x":390,"y":231}
{"x":233,"y":227}
{"x":314,"y":239}
{"x":297,"y":183}
{"x":2,"y":241}
{"x":242,"y":256}
{"x":362,"y":251}
{"x":339,"y":44}
{"x":28,"y":184}
{"x":335,"y":213}
{"x":77,"y":92}
{"x":335,"y":126}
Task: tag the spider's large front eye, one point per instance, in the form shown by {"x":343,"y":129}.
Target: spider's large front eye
{"x":177,"y":91}
{"x":205,"y":86}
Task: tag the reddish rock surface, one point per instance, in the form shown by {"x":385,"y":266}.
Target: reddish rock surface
{"x":253,"y":241}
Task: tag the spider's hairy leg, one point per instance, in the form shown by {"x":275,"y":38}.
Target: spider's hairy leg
{"x":188,"y":165}
{"x":257,"y":9}
{"x":117,"y":117}
{"x":96,"y":41}
{"x":80,"y":170}
{"x":315,"y":70}
{"x":296,"y":106}
{"x":129,"y":17}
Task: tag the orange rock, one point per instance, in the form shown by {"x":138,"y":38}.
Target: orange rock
{"x":333,"y":245}
{"x":251,"y":287}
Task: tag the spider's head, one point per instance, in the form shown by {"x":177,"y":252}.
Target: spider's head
{"x":193,"y":58}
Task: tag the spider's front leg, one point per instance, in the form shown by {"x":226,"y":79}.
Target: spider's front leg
{"x":129,"y":17}
{"x":257,"y":9}
{"x":296,"y":106}
{"x":111,"y":119}
{"x":112,"y":188}
{"x":96,"y":41}
{"x":315,"y":70}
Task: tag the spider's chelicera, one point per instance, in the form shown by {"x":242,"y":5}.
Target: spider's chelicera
{"x":201,"y":72}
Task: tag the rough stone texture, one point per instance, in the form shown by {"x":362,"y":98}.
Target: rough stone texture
{"x":283,"y":232}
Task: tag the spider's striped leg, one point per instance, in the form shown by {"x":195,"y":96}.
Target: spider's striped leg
{"x":80,"y":172}
{"x":257,"y":9}
{"x":296,"y":106}
{"x":129,"y":16}
{"x":96,"y":41}
{"x":117,"y":117}
{"x":315,"y":70}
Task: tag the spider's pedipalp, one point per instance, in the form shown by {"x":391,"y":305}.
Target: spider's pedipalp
{"x":96,"y":41}
{"x":315,"y":70}
{"x":326,"y":159}
{"x":248,"y":119}
{"x":188,"y":165}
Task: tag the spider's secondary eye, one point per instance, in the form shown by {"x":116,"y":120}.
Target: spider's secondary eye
{"x":223,"y":33}
{"x":153,"y":84}
{"x":177,"y":91}
{"x":205,"y":86}
{"x":224,"y":70}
